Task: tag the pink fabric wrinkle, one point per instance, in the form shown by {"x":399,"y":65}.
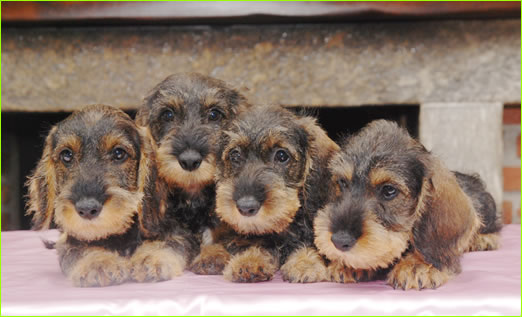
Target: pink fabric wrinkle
{"x":32,"y":284}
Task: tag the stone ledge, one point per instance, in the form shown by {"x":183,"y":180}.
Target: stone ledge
{"x":47,"y":69}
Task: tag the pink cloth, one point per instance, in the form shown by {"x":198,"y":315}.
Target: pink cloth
{"x":32,"y":284}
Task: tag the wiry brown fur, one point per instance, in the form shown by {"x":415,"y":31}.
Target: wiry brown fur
{"x":97,"y":267}
{"x":185,"y":114}
{"x":395,"y":206}
{"x":284,"y":191}
{"x":156,"y":261}
{"x":97,"y":181}
{"x":255,"y":264}
{"x":304,"y":265}
{"x":341,"y":273}
{"x":275,"y":215}
{"x":211,"y":260}
{"x":488,"y":236}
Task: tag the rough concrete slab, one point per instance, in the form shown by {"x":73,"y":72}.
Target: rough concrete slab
{"x":468,"y":138}
{"x":61,"y":69}
{"x":511,"y":132}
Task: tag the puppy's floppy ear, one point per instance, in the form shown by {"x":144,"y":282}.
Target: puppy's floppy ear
{"x":321,"y":150}
{"x":241,"y":101}
{"x":143,"y":114}
{"x":153,"y":204}
{"x":321,"y":145}
{"x":447,"y":218}
{"x":223,"y":141}
{"x":42,"y":187}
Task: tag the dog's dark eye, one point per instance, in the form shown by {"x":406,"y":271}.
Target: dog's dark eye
{"x":281,"y":156}
{"x":119,"y":154}
{"x":167,"y":115}
{"x":389,"y":192}
{"x":214,"y":115}
{"x":66,"y":156}
{"x":235,"y":156}
{"x":343,"y":184}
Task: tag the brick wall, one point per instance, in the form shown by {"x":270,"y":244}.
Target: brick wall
{"x":511,"y":168}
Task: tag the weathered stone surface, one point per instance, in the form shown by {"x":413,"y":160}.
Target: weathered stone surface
{"x":468,"y":138}
{"x":50,"y":69}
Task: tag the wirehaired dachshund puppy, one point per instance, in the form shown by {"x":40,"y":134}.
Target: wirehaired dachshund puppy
{"x":97,"y":182}
{"x":267,"y":163}
{"x":395,"y":208}
{"x":185,"y":114}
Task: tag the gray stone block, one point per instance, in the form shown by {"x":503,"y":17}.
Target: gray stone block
{"x":468,"y":138}
{"x":352,"y":64}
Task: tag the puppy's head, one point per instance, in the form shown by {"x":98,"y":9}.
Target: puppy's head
{"x":377,"y":181}
{"x":96,"y":176}
{"x":387,"y":192}
{"x":264,"y":161}
{"x":185,"y":114}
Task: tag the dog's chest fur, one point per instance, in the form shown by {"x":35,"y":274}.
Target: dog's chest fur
{"x":194,"y":212}
{"x":125,"y":244}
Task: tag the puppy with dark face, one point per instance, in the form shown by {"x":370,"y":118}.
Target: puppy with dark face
{"x":395,"y":206}
{"x":97,"y":181}
{"x":268,"y":160}
{"x":185,"y":114}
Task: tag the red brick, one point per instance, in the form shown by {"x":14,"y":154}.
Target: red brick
{"x":507,"y":212}
{"x":5,"y":221}
{"x":518,"y":145}
{"x":511,"y":115}
{"x":511,"y":178}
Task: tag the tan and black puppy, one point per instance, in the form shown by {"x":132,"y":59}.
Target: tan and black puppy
{"x":395,"y":206}
{"x":185,"y":114}
{"x":97,"y":181}
{"x":270,"y":168}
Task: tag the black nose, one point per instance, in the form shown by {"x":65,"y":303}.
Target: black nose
{"x":190,"y":160}
{"x":343,"y":240}
{"x":248,"y":205}
{"x":88,"y":208}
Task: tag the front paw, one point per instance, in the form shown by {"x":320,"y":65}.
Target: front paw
{"x":304,"y":266}
{"x":340,"y":273}
{"x":99,"y":268}
{"x":252,"y":265}
{"x":413,"y":273}
{"x":154,"y":261}
{"x":211,"y":260}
